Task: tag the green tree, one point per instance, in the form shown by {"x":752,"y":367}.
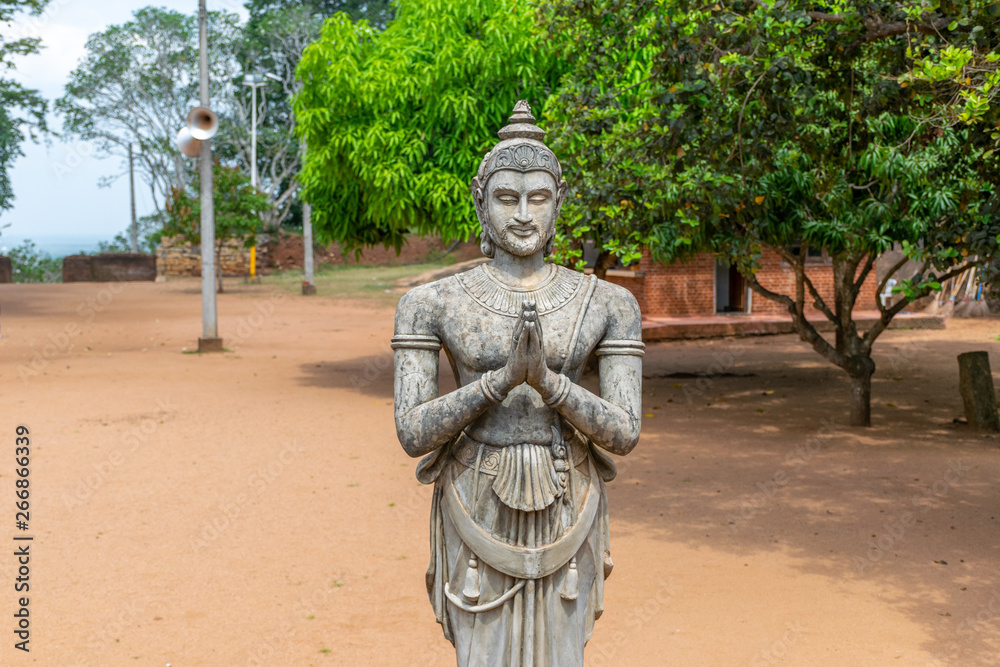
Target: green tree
{"x":397,"y":121}
{"x":136,"y":85}
{"x":272,"y":43}
{"x":22,"y":110}
{"x":952,"y":58}
{"x":376,"y":12}
{"x":31,"y":265}
{"x":743,"y":125}
{"x":150,"y":233}
{"x":238,"y":210}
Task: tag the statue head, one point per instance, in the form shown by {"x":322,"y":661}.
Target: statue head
{"x":519,"y":191}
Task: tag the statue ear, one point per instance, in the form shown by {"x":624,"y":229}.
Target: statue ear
{"x":560,"y":196}
{"x":550,"y":243}
{"x":479,"y":200}
{"x":478,"y":197}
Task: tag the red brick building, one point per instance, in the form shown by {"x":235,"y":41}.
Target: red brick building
{"x":703,"y":286}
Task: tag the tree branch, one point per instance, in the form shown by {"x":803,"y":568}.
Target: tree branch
{"x":860,"y":282}
{"x":896,"y":28}
{"x":885,"y":281}
{"x":823,"y":17}
{"x":805,"y":329}
{"x":819,"y":302}
{"x":882,"y":323}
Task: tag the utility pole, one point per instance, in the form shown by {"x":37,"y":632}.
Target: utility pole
{"x":253,"y":136}
{"x":254,"y":80}
{"x":308,"y":287}
{"x":253,"y":172}
{"x":307,"y":248}
{"x":134,"y":228}
{"x":209,"y":341}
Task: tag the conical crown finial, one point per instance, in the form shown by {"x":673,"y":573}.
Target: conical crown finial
{"x":522,"y":124}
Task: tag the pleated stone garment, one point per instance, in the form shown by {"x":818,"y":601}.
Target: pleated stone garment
{"x":543,"y":624}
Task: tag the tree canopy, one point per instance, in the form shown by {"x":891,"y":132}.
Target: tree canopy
{"x":22,"y":110}
{"x":396,"y":122}
{"x":139,"y":80}
{"x":737,"y":126}
{"x":237,"y":207}
{"x":136,"y":85}
{"x":271,"y":44}
{"x":376,"y":12}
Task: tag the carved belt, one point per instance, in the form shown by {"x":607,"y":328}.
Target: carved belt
{"x":465,"y":450}
{"x":523,"y":562}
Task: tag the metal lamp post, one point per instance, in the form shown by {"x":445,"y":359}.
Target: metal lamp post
{"x":255,"y":80}
{"x":210,"y":340}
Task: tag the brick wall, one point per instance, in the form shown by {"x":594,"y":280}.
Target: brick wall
{"x":688,"y":288}
{"x":778,"y":276}
{"x":681,"y":288}
{"x":110,"y":267}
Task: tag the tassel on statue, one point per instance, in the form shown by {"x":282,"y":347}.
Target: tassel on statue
{"x":571,"y":584}
{"x":471,"y":589}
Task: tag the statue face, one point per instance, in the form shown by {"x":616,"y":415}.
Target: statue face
{"x":522,"y":209}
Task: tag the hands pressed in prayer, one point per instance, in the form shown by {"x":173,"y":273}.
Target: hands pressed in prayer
{"x":526,"y":362}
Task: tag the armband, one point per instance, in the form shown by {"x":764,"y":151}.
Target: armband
{"x":632,"y":348}
{"x":562,"y":391}
{"x":491,"y":394}
{"x":415,"y":342}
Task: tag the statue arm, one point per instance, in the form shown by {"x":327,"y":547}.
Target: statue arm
{"x":424,"y":420}
{"x":612,"y":420}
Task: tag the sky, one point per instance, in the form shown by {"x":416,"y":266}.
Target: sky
{"x":55,"y":185}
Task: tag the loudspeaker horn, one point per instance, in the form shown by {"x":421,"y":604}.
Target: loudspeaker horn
{"x":189,"y":146}
{"x":203,"y":123}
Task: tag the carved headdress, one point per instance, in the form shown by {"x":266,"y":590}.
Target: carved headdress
{"x":520,"y":149}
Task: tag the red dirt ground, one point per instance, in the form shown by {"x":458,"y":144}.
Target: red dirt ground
{"x":254,"y":507}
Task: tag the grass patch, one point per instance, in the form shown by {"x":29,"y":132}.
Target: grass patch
{"x":365,"y":282}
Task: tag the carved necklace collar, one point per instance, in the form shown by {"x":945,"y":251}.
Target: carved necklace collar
{"x":556,"y":290}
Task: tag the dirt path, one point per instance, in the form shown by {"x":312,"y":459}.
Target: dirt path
{"x":254,"y":507}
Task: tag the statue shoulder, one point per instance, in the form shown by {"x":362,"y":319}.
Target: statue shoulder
{"x":422,"y":309}
{"x":624,"y":321}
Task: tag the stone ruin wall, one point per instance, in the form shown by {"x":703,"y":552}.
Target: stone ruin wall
{"x":176,"y":257}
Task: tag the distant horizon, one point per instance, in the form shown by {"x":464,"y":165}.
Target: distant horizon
{"x":57,"y":245}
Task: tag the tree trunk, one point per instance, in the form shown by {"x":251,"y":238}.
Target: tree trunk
{"x":860,"y":369}
{"x":861,"y":400}
{"x":604,"y":262}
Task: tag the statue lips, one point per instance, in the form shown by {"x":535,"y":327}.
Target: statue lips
{"x":522,"y":230}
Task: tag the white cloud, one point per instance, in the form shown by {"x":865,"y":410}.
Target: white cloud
{"x":47,"y":71}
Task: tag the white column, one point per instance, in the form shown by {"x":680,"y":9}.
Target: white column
{"x":253,"y":138}
{"x":209,"y":321}
{"x":307,"y":242}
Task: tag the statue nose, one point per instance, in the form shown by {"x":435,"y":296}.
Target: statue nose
{"x":522,"y":214}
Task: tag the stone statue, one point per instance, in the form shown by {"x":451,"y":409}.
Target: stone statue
{"x":519,"y":521}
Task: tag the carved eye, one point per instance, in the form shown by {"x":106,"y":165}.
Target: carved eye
{"x":538,"y":199}
{"x":509,"y":200}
